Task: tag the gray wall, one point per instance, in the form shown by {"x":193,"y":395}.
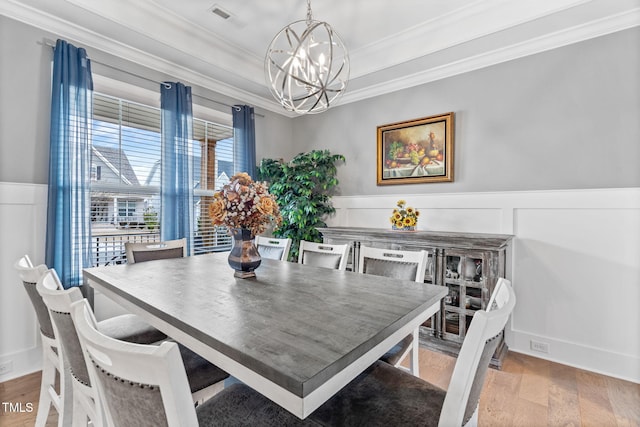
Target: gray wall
{"x":564,"y":119}
{"x":25,"y":102}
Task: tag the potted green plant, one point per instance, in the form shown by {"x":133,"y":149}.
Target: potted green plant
{"x":303,"y":189}
{"x":150,"y":217}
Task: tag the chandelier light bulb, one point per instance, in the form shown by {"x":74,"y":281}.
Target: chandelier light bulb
{"x":307,"y":66}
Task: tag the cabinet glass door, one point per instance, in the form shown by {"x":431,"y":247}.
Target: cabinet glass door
{"x":463,"y":276}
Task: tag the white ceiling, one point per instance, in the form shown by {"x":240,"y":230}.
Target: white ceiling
{"x":392,"y":45}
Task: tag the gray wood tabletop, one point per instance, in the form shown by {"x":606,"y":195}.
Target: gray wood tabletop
{"x":294,"y":325}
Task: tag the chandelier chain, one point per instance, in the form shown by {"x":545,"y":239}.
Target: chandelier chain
{"x":309,"y":17}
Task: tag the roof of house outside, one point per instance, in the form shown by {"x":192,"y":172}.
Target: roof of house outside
{"x":112,"y":158}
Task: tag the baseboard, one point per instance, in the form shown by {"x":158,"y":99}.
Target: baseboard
{"x":598,"y":360}
{"x":22,"y":363}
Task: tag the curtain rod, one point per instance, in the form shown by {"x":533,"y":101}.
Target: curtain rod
{"x":52,"y":45}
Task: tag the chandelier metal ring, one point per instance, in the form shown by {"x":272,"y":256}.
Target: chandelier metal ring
{"x":307,"y":66}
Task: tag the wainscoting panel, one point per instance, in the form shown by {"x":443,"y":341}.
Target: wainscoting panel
{"x":464,"y":220}
{"x":575,"y":265}
{"x":22,"y":227}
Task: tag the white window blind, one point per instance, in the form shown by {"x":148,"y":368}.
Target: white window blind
{"x":212,"y":168}
{"x":125,"y":177}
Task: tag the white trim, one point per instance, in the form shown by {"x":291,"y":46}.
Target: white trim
{"x":249,"y":68}
{"x":589,"y":358}
{"x":476,"y":19}
{"x":89,"y":38}
{"x":174,"y":31}
{"x":596,"y":198}
{"x":23,"y":226}
{"x":18,"y":193}
{"x":598,"y":28}
{"x":24,"y":362}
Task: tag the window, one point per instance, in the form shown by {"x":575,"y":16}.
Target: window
{"x":127,"y":209}
{"x":96,"y":172}
{"x":125,"y":177}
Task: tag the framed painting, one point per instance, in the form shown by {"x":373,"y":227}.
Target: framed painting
{"x":416,"y":151}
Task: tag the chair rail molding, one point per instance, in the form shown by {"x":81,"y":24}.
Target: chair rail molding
{"x":22,"y":227}
{"x":575,"y":262}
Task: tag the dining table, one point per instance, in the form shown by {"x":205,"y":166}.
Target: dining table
{"x":295,"y":333}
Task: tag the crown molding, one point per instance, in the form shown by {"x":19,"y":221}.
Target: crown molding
{"x":163,"y":26}
{"x":475,"y":20}
{"x":91,"y":39}
{"x":597,"y":28}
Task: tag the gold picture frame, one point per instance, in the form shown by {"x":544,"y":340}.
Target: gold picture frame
{"x":416,"y":151}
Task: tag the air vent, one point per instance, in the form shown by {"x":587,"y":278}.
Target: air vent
{"x":221,"y":13}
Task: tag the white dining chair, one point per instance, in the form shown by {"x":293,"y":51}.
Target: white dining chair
{"x":204,"y":378}
{"x":273,"y":248}
{"x":146,"y":385}
{"x":323,"y":255}
{"x":208,"y":384}
{"x":60,"y":400}
{"x":404,"y":265}
{"x":85,"y":401}
{"x":384,"y":395}
{"x":149,"y":251}
{"x":499,"y":295}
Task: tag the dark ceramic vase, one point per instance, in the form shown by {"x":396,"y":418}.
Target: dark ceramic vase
{"x":244,"y":257}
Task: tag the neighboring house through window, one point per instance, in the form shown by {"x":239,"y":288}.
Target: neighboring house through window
{"x":125,"y":177}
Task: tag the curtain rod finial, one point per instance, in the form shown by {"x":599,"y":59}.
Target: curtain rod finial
{"x":47,"y":42}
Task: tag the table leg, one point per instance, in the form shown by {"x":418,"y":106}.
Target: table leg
{"x":413,"y":357}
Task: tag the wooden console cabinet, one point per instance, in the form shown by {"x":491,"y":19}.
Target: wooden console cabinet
{"x":469,"y":264}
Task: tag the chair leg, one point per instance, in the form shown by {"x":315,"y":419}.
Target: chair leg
{"x":201,"y":396}
{"x":47,"y":390}
{"x":65,"y":418}
{"x":414,"y":363}
{"x":86,"y":409}
{"x":80,"y":416}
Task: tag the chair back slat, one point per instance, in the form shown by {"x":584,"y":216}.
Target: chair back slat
{"x":30,"y":276}
{"x":463,"y":393}
{"x":323,"y":255}
{"x":500,"y":294}
{"x":140,"y":384}
{"x":405,"y":265}
{"x":150,"y":251}
{"x":273,"y":248}
{"x":59,"y":302}
{"x":131,"y":401}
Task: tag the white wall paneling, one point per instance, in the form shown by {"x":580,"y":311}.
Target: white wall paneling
{"x":575,"y":264}
{"x":22,"y":227}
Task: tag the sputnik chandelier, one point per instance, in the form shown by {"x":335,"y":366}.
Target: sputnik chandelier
{"x":307,"y":66}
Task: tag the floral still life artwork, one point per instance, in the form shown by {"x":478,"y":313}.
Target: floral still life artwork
{"x":416,"y":151}
{"x":404,"y":217}
{"x":244,"y":203}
